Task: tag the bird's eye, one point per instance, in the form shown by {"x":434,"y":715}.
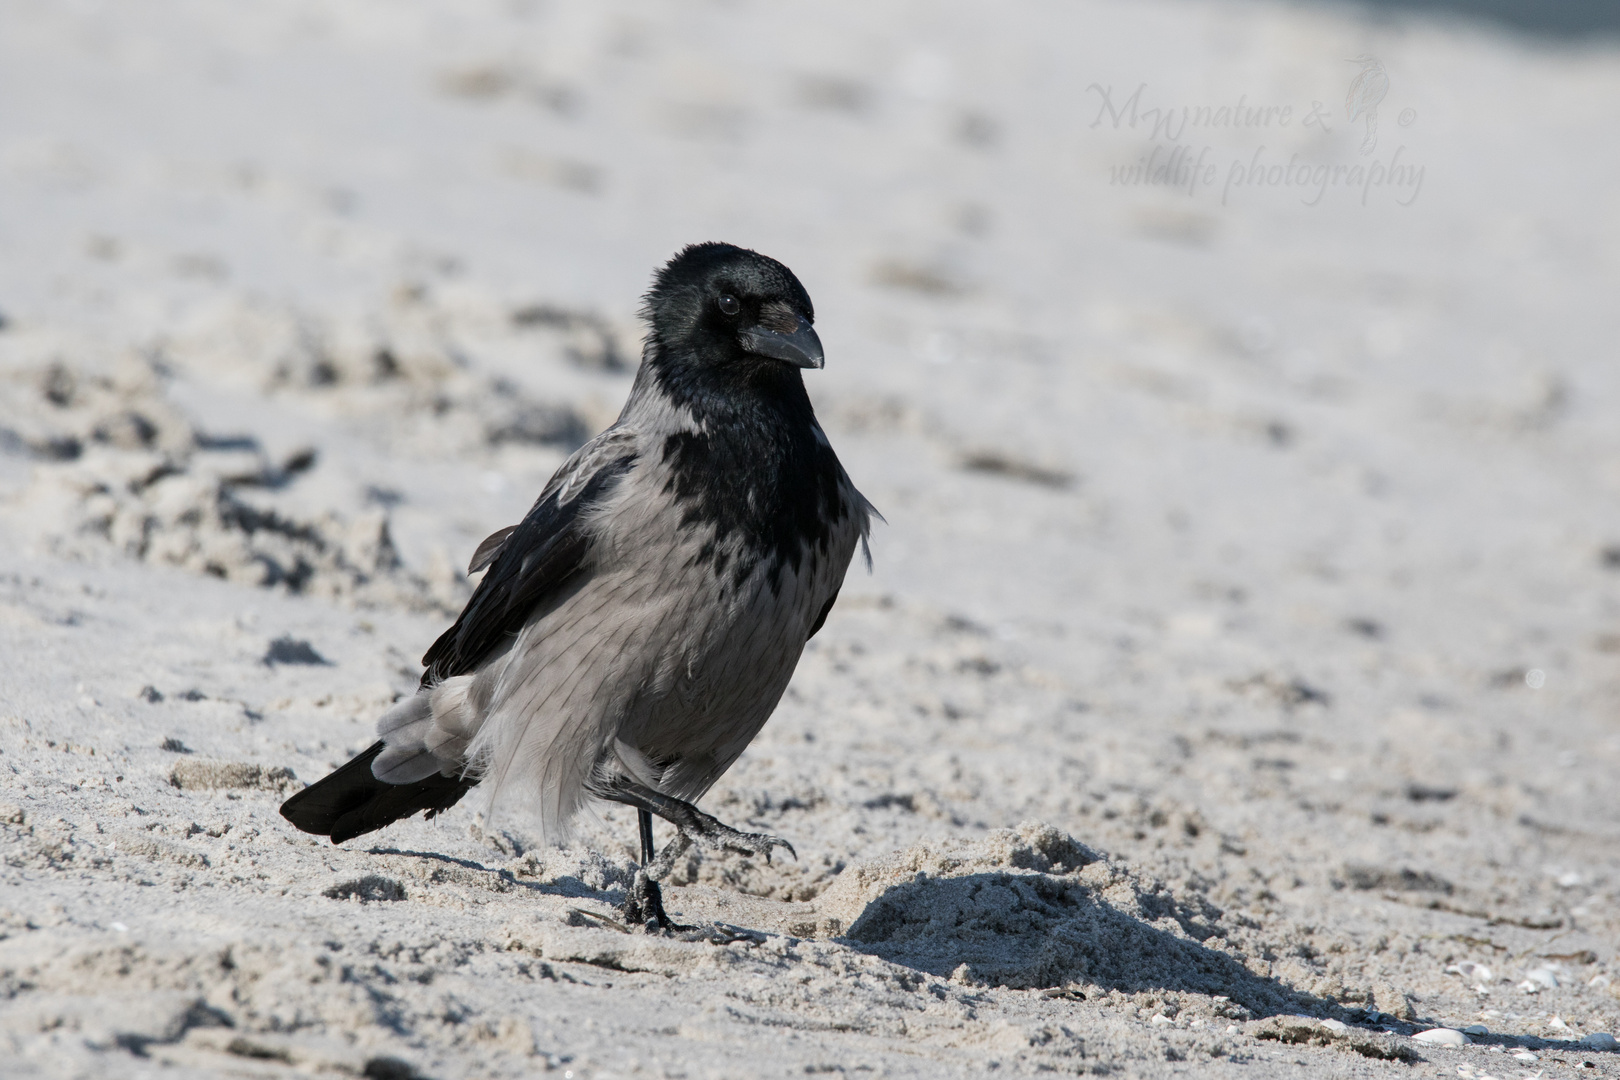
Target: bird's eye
{"x":729,"y":305}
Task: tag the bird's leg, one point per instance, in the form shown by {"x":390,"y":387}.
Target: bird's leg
{"x":694,"y":825}
{"x":644,"y":901}
{"x":644,"y":819}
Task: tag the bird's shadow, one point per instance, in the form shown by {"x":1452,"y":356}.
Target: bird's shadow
{"x":567,"y":887}
{"x":1030,"y":931}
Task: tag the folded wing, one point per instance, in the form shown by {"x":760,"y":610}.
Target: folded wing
{"x":528,"y":563}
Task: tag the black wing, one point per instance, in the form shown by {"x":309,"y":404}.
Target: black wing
{"x":821,"y":620}
{"x":532,"y":560}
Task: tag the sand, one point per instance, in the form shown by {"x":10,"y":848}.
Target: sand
{"x":1234,"y":692}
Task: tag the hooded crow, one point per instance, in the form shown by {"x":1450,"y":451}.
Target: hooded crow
{"x":633,"y":633}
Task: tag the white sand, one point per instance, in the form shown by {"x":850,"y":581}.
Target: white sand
{"x":1241,"y":645}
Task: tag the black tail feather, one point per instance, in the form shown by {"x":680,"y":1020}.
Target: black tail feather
{"x":351,"y":801}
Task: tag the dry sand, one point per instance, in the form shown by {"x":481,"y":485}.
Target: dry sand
{"x":1235,"y":692}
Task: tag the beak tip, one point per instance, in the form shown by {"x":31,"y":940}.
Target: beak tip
{"x":801,"y":348}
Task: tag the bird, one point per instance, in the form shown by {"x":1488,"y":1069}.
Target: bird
{"x":1367,"y":89}
{"x":633,"y":633}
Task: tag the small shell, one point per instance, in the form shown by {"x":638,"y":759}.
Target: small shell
{"x":1442,"y":1037}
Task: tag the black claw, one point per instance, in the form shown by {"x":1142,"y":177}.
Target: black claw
{"x":758,"y":844}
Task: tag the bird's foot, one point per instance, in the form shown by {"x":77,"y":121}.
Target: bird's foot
{"x":702,"y":829}
{"x":644,"y":904}
{"x":644,"y":900}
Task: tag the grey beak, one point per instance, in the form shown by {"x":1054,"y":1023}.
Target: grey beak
{"x":801,"y":348}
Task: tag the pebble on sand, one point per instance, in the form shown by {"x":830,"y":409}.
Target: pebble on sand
{"x":1476,"y":1029}
{"x":1442,"y":1037}
{"x":1477,"y":973}
{"x":1600,"y":1040}
{"x":1541,"y":978}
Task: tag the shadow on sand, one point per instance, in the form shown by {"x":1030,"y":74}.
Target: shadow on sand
{"x":472,"y":873}
{"x":1030,"y":931}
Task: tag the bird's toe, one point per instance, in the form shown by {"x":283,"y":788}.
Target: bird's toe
{"x":716,"y":835}
{"x":762,"y":843}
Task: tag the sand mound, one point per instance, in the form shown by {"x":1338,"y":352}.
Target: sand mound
{"x":1034,"y":907}
{"x":123,"y":470}
{"x":218,"y":513}
{"x":128,"y":461}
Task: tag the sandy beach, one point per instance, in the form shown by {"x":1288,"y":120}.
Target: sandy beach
{"x":1236,"y":687}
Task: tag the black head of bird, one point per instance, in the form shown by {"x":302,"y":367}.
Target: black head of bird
{"x":724,"y":317}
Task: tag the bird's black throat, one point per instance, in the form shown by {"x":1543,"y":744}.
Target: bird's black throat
{"x":755,"y":470}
